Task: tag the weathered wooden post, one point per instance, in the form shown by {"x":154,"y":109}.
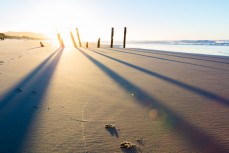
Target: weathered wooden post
{"x":98,"y":43}
{"x":124,"y":40}
{"x":87,"y":45}
{"x":73,"y":39}
{"x":78,"y":35}
{"x":2,"y":36}
{"x":62,"y":42}
{"x":58,"y":35}
{"x":41,"y":44}
{"x":112,"y":35}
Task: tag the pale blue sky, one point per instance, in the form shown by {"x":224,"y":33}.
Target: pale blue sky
{"x":145,"y":19}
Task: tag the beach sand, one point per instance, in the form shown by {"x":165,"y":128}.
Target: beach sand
{"x":59,"y":100}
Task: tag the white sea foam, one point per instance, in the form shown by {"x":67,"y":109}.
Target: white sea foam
{"x":208,"y":47}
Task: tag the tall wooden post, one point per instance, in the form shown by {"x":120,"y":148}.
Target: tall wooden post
{"x":112,"y":39}
{"x":124,"y":40}
{"x":60,"y":40}
{"x":87,"y":45}
{"x":78,"y":35}
{"x":73,"y":39}
{"x":58,"y":36}
{"x":98,"y":43}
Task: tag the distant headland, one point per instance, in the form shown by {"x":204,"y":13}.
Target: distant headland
{"x":24,"y":35}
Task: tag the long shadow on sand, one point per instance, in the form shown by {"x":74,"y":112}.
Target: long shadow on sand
{"x":171,"y":60}
{"x":18,"y":108}
{"x":175,"y":54}
{"x":34,"y":48}
{"x":196,"y":90}
{"x":199,"y":138}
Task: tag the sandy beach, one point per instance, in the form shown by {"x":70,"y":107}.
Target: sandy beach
{"x":60,"y":99}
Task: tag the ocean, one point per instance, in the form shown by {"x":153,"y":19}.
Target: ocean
{"x":208,"y":47}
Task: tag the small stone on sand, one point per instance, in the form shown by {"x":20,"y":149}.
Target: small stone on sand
{"x":127,"y":145}
{"x":109,"y":126}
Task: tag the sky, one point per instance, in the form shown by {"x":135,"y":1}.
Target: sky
{"x":144,"y":19}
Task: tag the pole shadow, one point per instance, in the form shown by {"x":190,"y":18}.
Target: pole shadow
{"x":198,"y":137}
{"x":18,"y":110}
{"x":34,"y":48}
{"x":171,"y":60}
{"x":166,"y":53}
{"x":196,"y":90}
{"x":11,"y":92}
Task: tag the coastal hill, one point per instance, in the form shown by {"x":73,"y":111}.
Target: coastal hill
{"x":25,"y":35}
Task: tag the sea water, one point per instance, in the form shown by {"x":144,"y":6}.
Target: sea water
{"x":220,"y":48}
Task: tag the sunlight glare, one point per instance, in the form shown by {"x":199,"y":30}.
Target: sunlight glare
{"x":56,"y":17}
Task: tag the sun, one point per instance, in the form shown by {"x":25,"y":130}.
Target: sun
{"x":50,"y":17}
{"x":54,"y":17}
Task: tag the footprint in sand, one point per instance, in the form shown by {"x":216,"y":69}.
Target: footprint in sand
{"x":1,"y":62}
{"x":12,"y":59}
{"x":18,"y":90}
{"x":34,"y":92}
{"x":35,"y":107}
{"x":19,"y":56}
{"x":139,"y":140}
{"x":40,"y":107}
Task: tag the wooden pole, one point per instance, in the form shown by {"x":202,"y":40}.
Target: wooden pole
{"x":58,"y":36}
{"x":98,"y":44}
{"x":78,"y":35}
{"x":41,"y":44}
{"x":112,"y":39}
{"x":87,"y":45}
{"x":60,"y":40}
{"x":73,"y":39}
{"x":124,"y":40}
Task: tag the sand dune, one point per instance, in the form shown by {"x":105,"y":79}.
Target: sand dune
{"x":60,"y":99}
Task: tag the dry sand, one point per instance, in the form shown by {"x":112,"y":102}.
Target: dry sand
{"x":59,"y":100}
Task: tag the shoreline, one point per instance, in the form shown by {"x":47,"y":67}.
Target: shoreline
{"x":192,"y":49}
{"x":212,"y":50}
